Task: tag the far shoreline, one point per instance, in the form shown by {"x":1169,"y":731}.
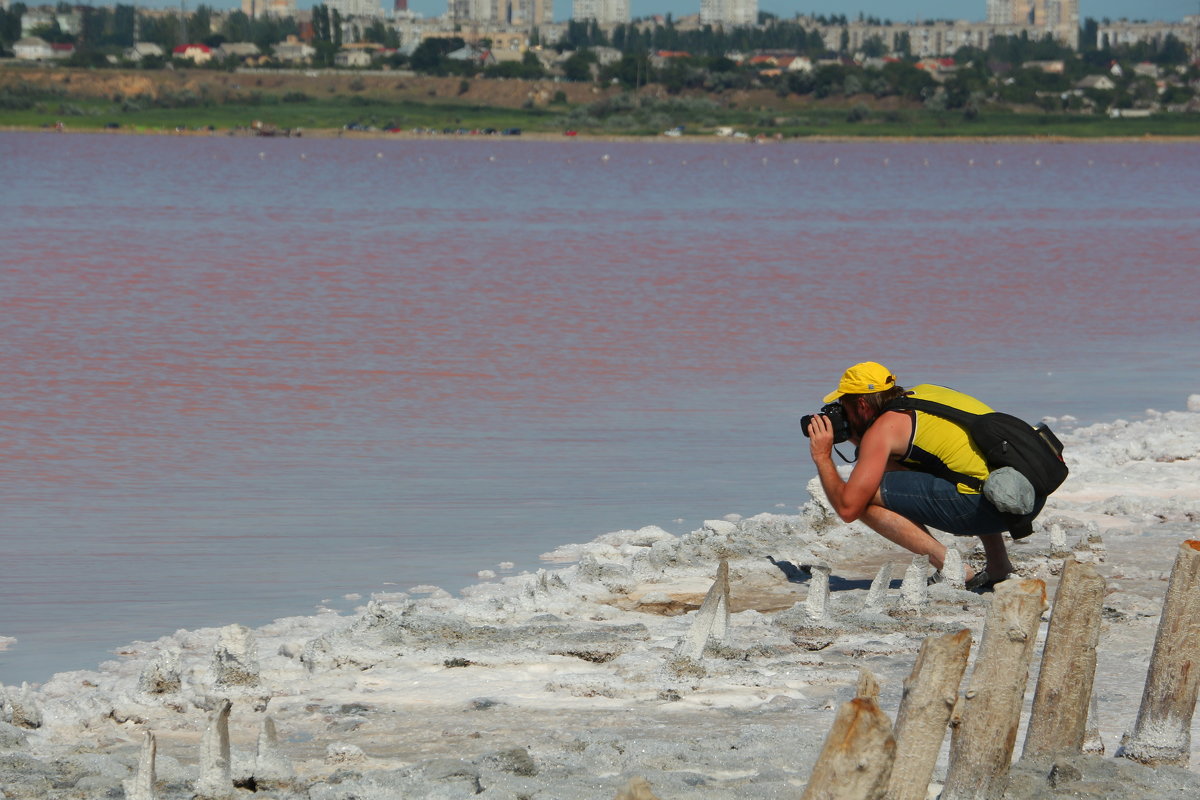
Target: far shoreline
{"x":545,"y":136}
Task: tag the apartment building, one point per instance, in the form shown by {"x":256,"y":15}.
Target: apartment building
{"x":938,"y":38}
{"x":1038,"y":18}
{"x":1033,"y":12}
{"x":279,"y":9}
{"x":730,"y":13}
{"x":356,"y":8}
{"x":503,"y":13}
{"x":605,"y":12}
{"x":1123,"y":32}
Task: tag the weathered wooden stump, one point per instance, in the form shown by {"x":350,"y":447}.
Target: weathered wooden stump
{"x":981,"y":746}
{"x":856,"y":761}
{"x":930,"y":692}
{"x":1162,"y":733}
{"x":1058,"y":721}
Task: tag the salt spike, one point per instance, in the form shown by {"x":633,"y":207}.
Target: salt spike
{"x":877,"y":594}
{"x":235,"y":657}
{"x":1058,"y":539}
{"x":914,"y":590}
{"x":952,"y":569}
{"x":216,"y":778}
{"x":817,"y":603}
{"x":712,"y":620}
{"x":270,"y":765}
{"x":20,"y":708}
{"x":549,"y":581}
{"x":141,"y":787}
{"x":161,"y":676}
{"x":1093,"y":744}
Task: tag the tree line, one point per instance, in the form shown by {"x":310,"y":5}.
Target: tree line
{"x":995,"y":73}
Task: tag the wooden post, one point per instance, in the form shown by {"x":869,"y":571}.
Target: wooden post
{"x":857,"y":757}
{"x":981,"y":746}
{"x":1060,"y":705}
{"x":930,"y":692}
{"x":1162,"y":733}
{"x":867,"y":685}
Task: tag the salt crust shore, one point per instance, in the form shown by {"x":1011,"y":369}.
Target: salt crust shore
{"x":568,"y":684}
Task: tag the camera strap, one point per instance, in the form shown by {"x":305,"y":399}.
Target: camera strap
{"x":843,"y":458}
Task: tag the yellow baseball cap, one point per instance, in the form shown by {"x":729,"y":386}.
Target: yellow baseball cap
{"x":864,"y":378}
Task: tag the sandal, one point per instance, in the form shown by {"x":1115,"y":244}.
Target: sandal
{"x":981,"y":582}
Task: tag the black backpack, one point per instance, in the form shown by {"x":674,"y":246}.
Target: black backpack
{"x":1004,"y":441}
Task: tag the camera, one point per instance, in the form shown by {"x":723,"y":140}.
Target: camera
{"x":837,"y":419}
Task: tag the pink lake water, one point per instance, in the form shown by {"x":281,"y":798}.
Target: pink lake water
{"x":245,"y":378}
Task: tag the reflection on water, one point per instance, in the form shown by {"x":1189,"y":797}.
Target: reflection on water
{"x":246,"y":377}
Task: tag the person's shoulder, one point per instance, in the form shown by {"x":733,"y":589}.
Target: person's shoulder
{"x":950,"y":397}
{"x":893,"y":427}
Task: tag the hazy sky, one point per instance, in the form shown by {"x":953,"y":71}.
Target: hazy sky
{"x":895,"y":10}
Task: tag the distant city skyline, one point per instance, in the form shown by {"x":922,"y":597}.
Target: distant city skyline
{"x":895,"y":10}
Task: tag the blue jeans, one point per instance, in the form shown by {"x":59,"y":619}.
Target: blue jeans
{"x":929,"y":500}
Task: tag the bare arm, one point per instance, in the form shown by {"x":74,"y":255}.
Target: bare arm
{"x":850,"y":498}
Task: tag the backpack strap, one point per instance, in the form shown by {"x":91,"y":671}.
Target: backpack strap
{"x":959,"y":417}
{"x":955,"y":415}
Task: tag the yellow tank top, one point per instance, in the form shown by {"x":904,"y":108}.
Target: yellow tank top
{"x":937,"y":439}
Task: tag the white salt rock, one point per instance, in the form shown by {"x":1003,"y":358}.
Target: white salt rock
{"x":344,"y":754}
{"x":720,"y":527}
{"x":235,"y":657}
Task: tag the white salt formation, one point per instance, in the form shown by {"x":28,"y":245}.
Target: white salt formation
{"x":817,"y":603}
{"x":568,"y":683}
{"x":712,"y":620}
{"x":161,"y":675}
{"x":21,"y":707}
{"x":235,"y":658}
{"x":141,"y":787}
{"x":952,"y":568}
{"x":271,"y":767}
{"x":913,"y":589}
{"x":879,"y":587}
{"x":216,"y":779}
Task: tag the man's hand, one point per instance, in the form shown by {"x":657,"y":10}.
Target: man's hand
{"x":820,"y":438}
{"x":887,"y":436}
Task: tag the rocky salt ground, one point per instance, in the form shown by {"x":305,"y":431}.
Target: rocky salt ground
{"x":571,"y":682}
